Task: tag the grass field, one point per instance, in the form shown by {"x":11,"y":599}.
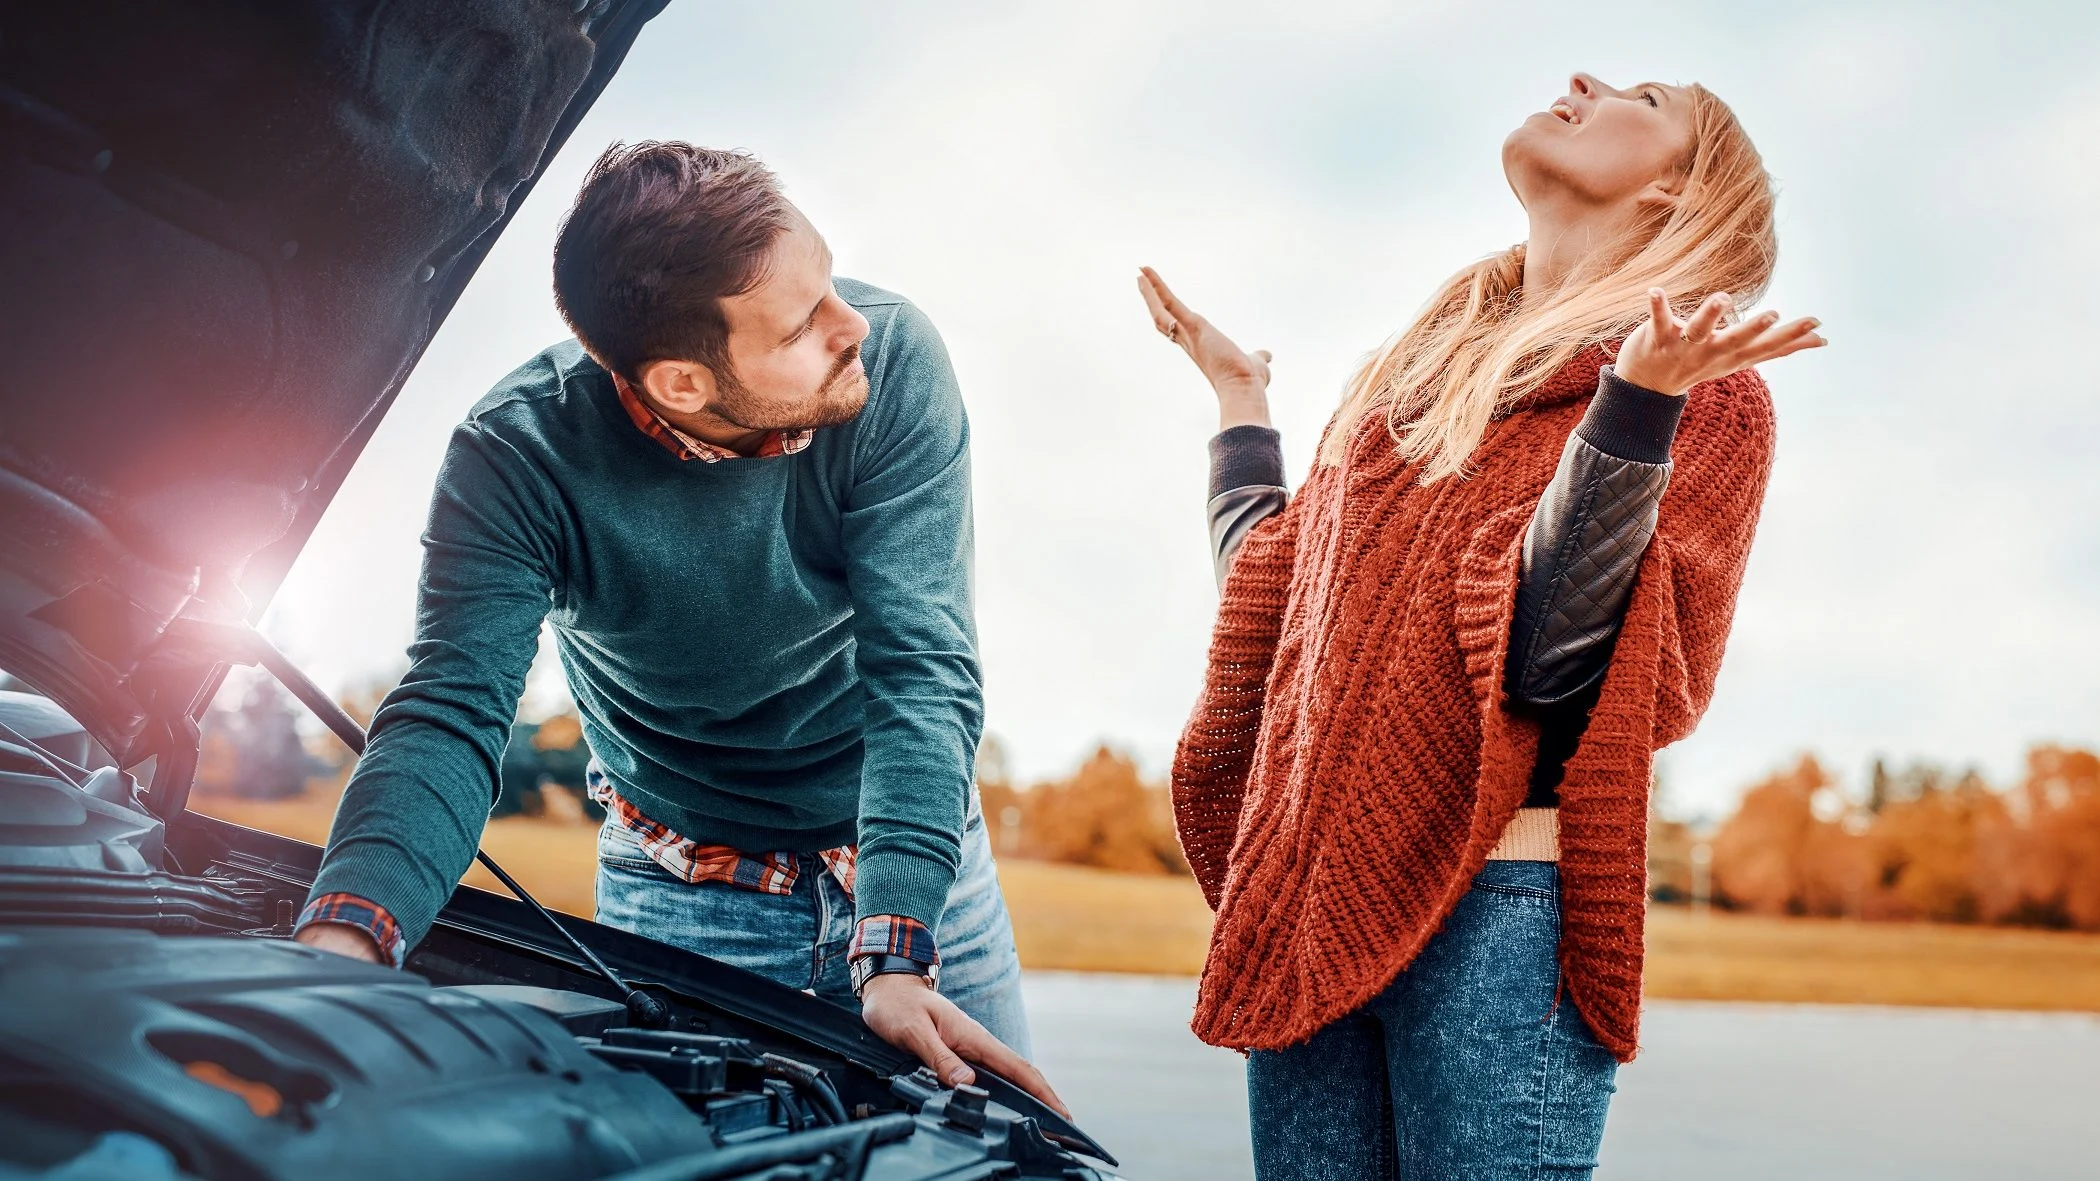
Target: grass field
{"x":1070,"y":917}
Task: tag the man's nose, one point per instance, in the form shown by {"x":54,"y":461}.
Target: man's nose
{"x":853,"y":331}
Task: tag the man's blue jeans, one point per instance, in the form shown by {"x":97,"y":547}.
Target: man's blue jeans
{"x":1471,"y":1065}
{"x":800,"y":939}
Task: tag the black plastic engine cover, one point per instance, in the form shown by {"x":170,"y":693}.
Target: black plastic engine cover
{"x":262,"y":1059}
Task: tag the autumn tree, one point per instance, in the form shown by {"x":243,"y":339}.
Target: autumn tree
{"x":1103,"y":815}
{"x":1759,"y":853}
{"x":1926,"y":843}
{"x":2051,"y":864}
{"x":1925,"y":848}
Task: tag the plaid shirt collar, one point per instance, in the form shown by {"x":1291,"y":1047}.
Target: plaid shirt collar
{"x":685,"y":446}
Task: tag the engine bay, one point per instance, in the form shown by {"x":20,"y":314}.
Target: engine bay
{"x":157,"y":1021}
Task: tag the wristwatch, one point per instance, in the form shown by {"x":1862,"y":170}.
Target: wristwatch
{"x":868,"y":967}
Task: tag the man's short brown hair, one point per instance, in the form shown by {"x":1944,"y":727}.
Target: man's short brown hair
{"x":659,"y":235}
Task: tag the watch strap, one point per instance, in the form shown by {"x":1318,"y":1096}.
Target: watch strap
{"x":867,"y":967}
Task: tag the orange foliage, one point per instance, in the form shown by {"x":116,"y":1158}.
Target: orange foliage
{"x":1925,"y":853}
{"x":560,"y":732}
{"x":2055,"y":868}
{"x":1924,"y":846}
{"x":1104,"y":815}
{"x":1760,"y":857}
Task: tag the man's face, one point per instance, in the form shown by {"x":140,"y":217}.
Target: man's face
{"x":794,"y":345}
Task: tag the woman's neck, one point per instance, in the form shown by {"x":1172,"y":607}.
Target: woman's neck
{"x":1562,"y":240}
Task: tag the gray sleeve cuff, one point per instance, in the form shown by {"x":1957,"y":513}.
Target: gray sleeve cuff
{"x":1630,"y":421}
{"x":1233,"y":515}
{"x":1244,"y":456}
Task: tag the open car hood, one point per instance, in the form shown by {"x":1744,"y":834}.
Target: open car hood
{"x":232,"y":227}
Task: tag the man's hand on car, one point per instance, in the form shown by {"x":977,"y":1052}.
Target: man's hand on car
{"x":904,"y":1012}
{"x":340,"y":938}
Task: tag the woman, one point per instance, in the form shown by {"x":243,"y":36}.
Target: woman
{"x":1415,"y":787}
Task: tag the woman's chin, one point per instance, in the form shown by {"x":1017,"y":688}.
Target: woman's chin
{"x":1520,"y":154}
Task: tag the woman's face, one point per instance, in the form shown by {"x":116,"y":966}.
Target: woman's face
{"x":1601,"y":146}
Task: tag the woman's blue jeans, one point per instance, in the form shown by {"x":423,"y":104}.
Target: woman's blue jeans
{"x":1470,"y":1066}
{"x":801,"y":939}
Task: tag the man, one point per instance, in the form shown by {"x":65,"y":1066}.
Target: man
{"x":742,"y":495}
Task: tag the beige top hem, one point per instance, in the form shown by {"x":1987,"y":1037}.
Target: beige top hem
{"x":1533,"y":835}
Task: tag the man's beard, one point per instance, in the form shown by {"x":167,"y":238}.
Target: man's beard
{"x":838,"y":399}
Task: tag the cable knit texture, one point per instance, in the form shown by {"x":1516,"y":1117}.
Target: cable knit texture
{"x":1352,"y":759}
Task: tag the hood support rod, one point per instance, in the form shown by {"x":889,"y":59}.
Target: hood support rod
{"x":645,"y":1010}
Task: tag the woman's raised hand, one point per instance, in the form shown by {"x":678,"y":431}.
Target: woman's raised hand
{"x":1670,"y":355}
{"x":1241,"y":379}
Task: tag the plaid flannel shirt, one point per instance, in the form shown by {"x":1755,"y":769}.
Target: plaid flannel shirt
{"x":686,"y":860}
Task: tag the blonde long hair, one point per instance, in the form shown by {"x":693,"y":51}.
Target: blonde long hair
{"x":1478,"y":346}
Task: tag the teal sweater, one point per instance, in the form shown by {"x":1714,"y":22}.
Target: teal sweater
{"x":771,"y":654}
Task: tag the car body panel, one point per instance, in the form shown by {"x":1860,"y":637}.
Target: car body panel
{"x":250,"y":216}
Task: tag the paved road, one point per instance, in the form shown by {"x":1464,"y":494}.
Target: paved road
{"x":1722,"y":1092}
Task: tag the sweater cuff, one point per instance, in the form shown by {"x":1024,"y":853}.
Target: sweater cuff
{"x":389,"y":878}
{"x":901,"y":884}
{"x":1245,"y":455}
{"x":1629,"y":421}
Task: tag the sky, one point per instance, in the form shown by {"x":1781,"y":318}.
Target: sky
{"x":1926,"y":573}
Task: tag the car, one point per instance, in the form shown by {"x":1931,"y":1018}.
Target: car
{"x":232,"y":227}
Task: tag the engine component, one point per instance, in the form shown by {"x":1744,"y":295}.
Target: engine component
{"x":37,"y":721}
{"x":76,"y":848}
{"x":255,"y":1058}
{"x":582,"y":1015}
{"x":147,"y":901}
{"x":47,"y":820}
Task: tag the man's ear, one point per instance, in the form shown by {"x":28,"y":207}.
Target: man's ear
{"x":681,"y":387}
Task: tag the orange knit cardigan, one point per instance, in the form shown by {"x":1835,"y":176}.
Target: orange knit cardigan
{"x":1352,"y":758}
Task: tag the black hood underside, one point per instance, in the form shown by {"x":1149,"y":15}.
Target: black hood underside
{"x":232,"y":227}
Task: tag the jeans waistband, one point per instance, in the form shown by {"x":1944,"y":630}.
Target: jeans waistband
{"x":1535,"y":875}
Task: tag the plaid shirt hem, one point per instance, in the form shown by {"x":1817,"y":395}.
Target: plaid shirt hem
{"x":365,"y":915}
{"x":766,"y":873}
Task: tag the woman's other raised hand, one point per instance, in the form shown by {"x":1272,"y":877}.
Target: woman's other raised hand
{"x":1240,"y":379}
{"x":1670,"y":356}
